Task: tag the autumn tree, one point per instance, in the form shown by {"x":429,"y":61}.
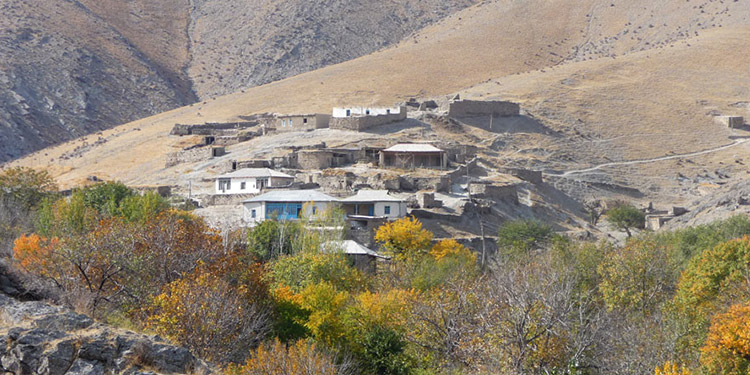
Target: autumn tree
{"x":211,"y":317}
{"x":299,"y":358}
{"x":22,"y":190}
{"x":727,"y":348}
{"x":404,"y":238}
{"x":640,"y":275}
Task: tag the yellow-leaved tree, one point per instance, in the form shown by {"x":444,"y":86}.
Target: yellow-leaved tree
{"x":404,"y":238}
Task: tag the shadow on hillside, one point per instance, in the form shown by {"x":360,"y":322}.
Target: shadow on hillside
{"x":397,"y":127}
{"x":508,"y":124}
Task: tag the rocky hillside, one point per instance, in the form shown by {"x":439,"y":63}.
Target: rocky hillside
{"x":69,"y":69}
{"x":66,"y":73}
{"x":39,"y":338}
{"x":241,"y":44}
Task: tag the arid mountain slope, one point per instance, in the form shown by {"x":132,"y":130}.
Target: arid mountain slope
{"x":503,"y":50}
{"x":65,"y":73}
{"x":241,"y":44}
{"x":68,"y":69}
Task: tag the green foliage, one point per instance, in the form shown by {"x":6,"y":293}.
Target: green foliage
{"x":140,"y":208}
{"x":302,"y":270}
{"x":271,"y":239}
{"x":105,"y":197}
{"x":689,"y":242}
{"x":638,"y":276}
{"x":25,"y":185}
{"x":382,"y":352}
{"x":626,"y":217}
{"x":517,"y":238}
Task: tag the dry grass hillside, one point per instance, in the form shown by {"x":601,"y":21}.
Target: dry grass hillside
{"x":615,"y":80}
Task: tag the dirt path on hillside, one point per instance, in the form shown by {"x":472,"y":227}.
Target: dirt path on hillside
{"x":644,"y":161}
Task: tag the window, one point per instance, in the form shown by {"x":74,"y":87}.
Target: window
{"x":304,"y":120}
{"x":367,"y":112}
{"x":315,"y":210}
{"x":283,"y":123}
{"x":242,"y":186}
{"x":348,"y":112}
{"x":387,"y":210}
{"x":225,"y":184}
{"x":290,"y":123}
{"x":253,"y":214}
{"x":388,"y":111}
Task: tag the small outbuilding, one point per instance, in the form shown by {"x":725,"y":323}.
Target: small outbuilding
{"x":286,"y":205}
{"x":413,"y":155}
{"x":362,"y":257}
{"x":251,"y":181}
{"x":289,"y":123}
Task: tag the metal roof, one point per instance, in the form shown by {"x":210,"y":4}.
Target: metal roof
{"x":367,"y":195}
{"x":413,"y":147}
{"x":293,"y":196}
{"x":254,"y":172}
{"x":350,"y":247}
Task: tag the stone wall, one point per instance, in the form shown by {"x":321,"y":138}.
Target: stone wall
{"x":211,"y":128}
{"x":734,"y":122}
{"x":483,"y":108}
{"x":192,"y":155}
{"x":365,"y":122}
{"x":528,"y":175}
{"x":494,"y":192}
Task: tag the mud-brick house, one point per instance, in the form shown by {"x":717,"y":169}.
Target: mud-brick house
{"x":286,"y":205}
{"x":251,"y":181}
{"x":290,"y":123}
{"x":377,"y":203}
{"x":413,"y":155}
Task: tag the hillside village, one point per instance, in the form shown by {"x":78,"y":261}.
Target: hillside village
{"x":442,"y":182}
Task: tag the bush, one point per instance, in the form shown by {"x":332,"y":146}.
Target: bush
{"x":521,"y":236}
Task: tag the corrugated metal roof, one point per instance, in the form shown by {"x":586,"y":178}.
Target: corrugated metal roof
{"x":413,"y":147}
{"x":255,"y":172}
{"x":293,"y":196}
{"x":366,"y":195}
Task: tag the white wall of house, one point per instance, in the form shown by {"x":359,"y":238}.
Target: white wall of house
{"x":396,"y":209}
{"x":248,"y":185}
{"x":364,"y":111}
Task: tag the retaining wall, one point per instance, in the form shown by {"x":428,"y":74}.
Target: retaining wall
{"x":483,"y":108}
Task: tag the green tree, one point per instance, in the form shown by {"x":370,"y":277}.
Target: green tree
{"x":518,"y":237}
{"x":626,"y":217}
{"x":271,"y":239}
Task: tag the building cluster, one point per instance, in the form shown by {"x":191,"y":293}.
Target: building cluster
{"x":308,"y":181}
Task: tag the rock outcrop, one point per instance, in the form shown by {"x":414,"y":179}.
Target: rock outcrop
{"x":40,"y":338}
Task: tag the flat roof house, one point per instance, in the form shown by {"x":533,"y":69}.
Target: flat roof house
{"x":286,"y":205}
{"x":251,"y":181}
{"x":413,"y":155}
{"x":289,"y":123}
{"x":376,"y":203}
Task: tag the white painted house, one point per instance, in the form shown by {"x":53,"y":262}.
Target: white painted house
{"x":286,"y":205}
{"x":340,"y":112}
{"x":374,"y":203}
{"x":251,"y":181}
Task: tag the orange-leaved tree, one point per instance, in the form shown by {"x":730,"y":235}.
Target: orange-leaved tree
{"x":727,"y":348}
